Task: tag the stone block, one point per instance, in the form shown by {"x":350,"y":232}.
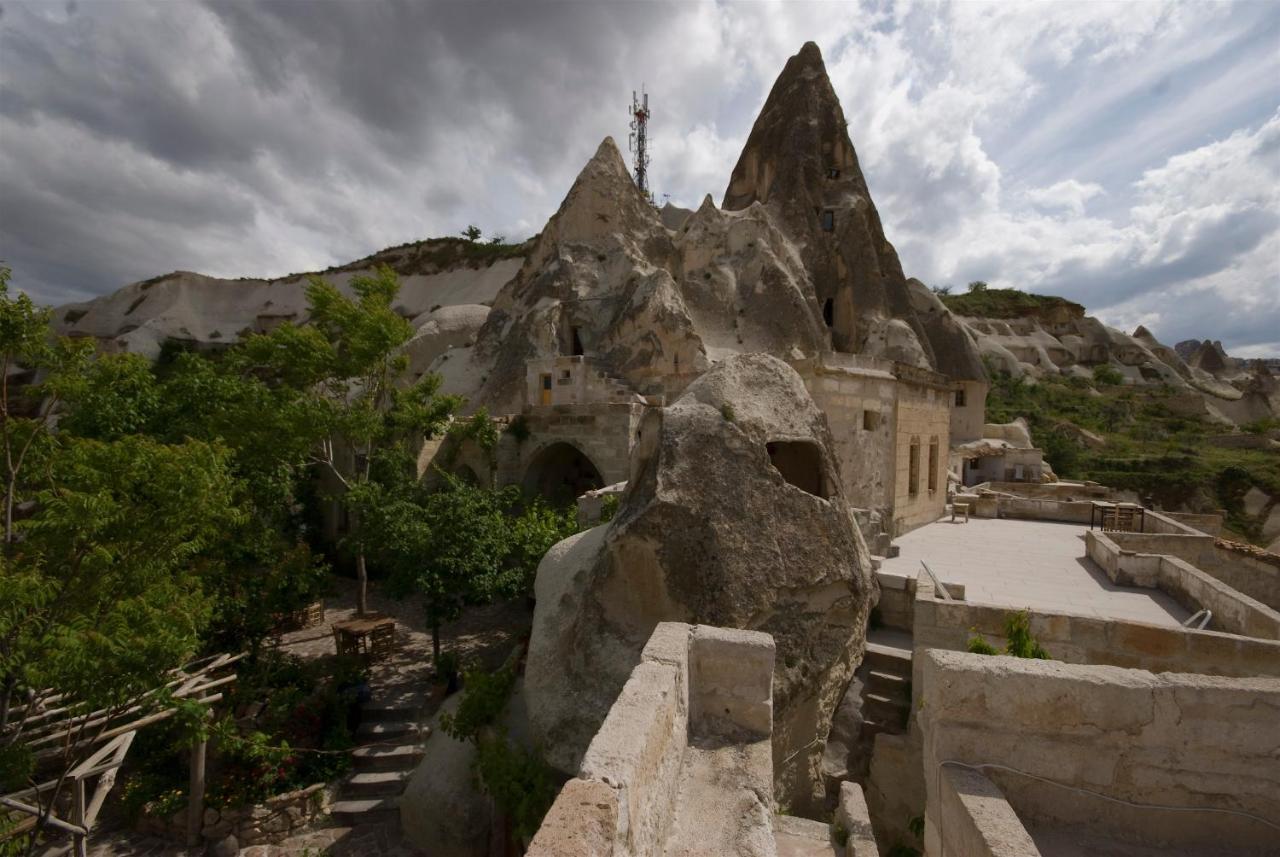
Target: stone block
{"x":583,"y":822}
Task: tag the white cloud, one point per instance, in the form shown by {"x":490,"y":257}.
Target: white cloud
{"x":1121,"y":154}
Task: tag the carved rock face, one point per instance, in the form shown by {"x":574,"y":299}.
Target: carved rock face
{"x":734,"y":517}
{"x":799,"y":161}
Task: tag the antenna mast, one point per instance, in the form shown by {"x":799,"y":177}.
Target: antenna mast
{"x":638,"y":142}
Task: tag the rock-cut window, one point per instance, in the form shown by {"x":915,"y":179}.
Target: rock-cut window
{"x":800,"y":463}
{"x":828,"y":221}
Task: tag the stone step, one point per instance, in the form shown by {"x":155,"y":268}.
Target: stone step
{"x":886,"y":658}
{"x":891,"y":684}
{"x":384,"y":810}
{"x":801,"y":837}
{"x":883,"y":709}
{"x":383,"y":757}
{"x":869,"y":730}
{"x":367,"y":784}
{"x":385,"y":730}
{"x":383,"y":713}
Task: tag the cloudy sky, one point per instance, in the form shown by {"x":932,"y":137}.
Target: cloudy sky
{"x":1124,"y":155}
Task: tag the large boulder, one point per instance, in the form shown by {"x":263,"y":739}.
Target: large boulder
{"x":733,"y":516}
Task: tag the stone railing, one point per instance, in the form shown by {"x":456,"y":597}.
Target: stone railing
{"x":692,"y":681}
{"x":1244,"y":568}
{"x":1091,"y":749}
{"x":1081,"y":639}
{"x":1233,"y":611}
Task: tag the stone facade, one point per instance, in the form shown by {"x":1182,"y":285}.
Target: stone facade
{"x":879,"y":412}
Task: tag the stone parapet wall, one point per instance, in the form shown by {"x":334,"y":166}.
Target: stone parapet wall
{"x":1084,"y":639}
{"x":898,"y":599}
{"x":1233,"y":611}
{"x":1244,"y":568}
{"x":691,"y":682}
{"x":976,"y":818}
{"x":1060,"y":731}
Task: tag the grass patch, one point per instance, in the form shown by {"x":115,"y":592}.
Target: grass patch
{"x":1151,"y":447}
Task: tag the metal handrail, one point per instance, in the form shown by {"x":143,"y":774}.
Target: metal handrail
{"x":937,"y":584}
{"x":1208,"y":617}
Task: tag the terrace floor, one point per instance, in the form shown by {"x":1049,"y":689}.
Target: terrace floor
{"x":1035,"y":564}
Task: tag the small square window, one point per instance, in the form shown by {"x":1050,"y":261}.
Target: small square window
{"x":828,"y":221}
{"x":870,"y":420}
{"x":833,"y":173}
{"x":564,"y":374}
{"x":959,"y":398}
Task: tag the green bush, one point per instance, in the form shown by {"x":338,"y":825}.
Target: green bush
{"x":1017,"y":631}
{"x":1108,"y":375}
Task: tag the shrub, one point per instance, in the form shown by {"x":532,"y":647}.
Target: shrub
{"x":1107,"y":375}
{"x":609,"y":507}
{"x":726,"y":411}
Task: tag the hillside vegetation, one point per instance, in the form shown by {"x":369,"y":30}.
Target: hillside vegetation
{"x":1148,"y":448}
{"x":1006,"y":303}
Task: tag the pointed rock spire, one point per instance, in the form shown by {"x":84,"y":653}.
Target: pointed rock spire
{"x":799,"y":161}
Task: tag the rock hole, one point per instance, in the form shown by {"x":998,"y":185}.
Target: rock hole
{"x":800,"y":463}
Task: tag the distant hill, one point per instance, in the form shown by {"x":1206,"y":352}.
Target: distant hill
{"x":1009,"y":303}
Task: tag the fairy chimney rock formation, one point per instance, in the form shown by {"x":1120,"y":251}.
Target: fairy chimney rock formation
{"x":800,"y":162}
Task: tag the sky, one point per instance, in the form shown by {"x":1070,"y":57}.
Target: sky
{"x":1126,"y":156}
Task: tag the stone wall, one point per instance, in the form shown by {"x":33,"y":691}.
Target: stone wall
{"x":1093,"y":640}
{"x":274,"y":820}
{"x":896,"y":607}
{"x":976,"y":818}
{"x":692,"y":682}
{"x":1250,"y":571}
{"x":924,"y":416}
{"x":1187,"y":741}
{"x":859,"y":405}
{"x":603,"y":432}
{"x":1118,"y":554}
{"x":967,"y":420}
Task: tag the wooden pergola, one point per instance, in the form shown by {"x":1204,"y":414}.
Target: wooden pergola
{"x":52,"y":730}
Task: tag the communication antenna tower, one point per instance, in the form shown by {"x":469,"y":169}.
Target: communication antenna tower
{"x":639,"y":140}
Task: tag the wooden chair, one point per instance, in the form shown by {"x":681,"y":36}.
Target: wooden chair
{"x":382,"y":641}
{"x":344,"y":644}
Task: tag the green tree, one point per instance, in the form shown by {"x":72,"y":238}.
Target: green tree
{"x":342,"y":371}
{"x":472,"y":233}
{"x":104,"y":591}
{"x":978,"y":286}
{"x":29,"y":352}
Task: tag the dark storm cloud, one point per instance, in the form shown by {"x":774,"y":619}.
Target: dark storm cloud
{"x":260,"y":138}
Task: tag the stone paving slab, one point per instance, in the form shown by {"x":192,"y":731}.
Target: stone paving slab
{"x":1036,"y":564}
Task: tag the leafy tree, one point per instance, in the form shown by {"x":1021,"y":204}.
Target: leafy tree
{"x":103,"y":592}
{"x":941,"y":291}
{"x":27,"y":349}
{"x":472,"y":233}
{"x":978,"y":286}
{"x":342,"y":372}
{"x":1107,"y":375}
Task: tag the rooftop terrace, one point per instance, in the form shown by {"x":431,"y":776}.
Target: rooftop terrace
{"x":1035,"y":564}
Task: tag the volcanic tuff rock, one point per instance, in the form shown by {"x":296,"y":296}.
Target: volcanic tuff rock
{"x":800,"y":162}
{"x":710,"y":531}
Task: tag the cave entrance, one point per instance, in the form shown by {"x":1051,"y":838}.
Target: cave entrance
{"x":561,"y":473}
{"x":829,"y":312}
{"x":800,"y":463}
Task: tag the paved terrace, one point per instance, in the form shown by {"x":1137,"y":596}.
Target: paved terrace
{"x":1035,"y":564}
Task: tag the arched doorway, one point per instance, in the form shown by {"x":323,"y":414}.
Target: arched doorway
{"x":560,"y":473}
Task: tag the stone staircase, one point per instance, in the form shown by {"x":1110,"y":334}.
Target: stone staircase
{"x":887,"y":690}
{"x":389,"y":748}
{"x":801,"y":837}
{"x":620,"y":391}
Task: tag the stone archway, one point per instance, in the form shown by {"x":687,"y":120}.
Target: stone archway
{"x":560,"y":473}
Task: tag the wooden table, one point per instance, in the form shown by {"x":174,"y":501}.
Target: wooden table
{"x":370,"y":636}
{"x":1122,"y":517}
